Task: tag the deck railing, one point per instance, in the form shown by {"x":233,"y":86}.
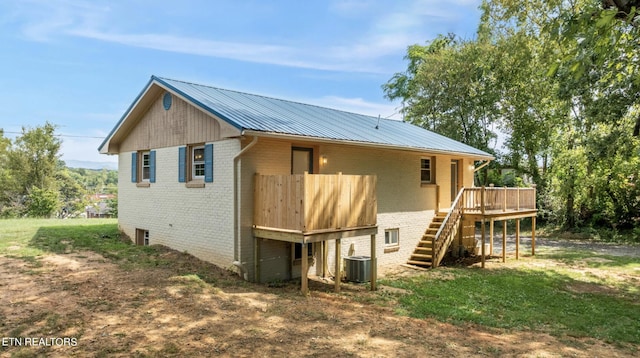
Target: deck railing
{"x":498,"y":199}
{"x":311,"y":202}
{"x":448,"y":230}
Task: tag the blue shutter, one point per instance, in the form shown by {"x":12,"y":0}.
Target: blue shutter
{"x":134,"y":167}
{"x":208,"y":163}
{"x":182,"y":164}
{"x":152,"y":166}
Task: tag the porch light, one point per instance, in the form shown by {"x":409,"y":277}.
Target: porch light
{"x":323,"y":160}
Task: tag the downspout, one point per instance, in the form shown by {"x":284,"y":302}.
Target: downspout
{"x":237,"y":262}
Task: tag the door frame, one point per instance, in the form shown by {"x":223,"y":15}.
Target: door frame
{"x":303,"y":149}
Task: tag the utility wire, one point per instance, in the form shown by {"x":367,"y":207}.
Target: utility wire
{"x":61,"y":135}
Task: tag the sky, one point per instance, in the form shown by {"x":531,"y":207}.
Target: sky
{"x":80,"y":64}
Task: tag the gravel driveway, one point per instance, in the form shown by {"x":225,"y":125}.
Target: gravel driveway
{"x":584,"y":245}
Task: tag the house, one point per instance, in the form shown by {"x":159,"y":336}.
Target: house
{"x":259,"y":183}
{"x":99,"y":206}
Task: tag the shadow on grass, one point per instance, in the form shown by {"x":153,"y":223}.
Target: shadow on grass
{"x":545,"y":301}
{"x":107,"y":241}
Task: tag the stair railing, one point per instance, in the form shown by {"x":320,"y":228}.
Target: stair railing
{"x":448,"y":230}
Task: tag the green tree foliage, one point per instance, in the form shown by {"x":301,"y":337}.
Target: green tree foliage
{"x":42,"y":202}
{"x":34,"y":158}
{"x":35,"y":182}
{"x":561,"y":79}
{"x":448,"y":88}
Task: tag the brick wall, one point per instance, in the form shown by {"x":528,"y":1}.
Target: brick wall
{"x":403,"y":203}
{"x":196,"y":220}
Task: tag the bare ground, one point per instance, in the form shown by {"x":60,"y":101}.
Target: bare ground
{"x":157,"y":312}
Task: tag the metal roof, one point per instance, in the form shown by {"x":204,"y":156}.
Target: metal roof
{"x":260,"y":114}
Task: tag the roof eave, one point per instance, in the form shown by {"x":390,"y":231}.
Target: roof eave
{"x":258,"y":133}
{"x":104,"y":146}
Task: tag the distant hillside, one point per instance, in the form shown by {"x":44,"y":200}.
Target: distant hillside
{"x":91,"y":165}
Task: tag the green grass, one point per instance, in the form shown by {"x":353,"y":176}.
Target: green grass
{"x":582,"y":294}
{"x":560,"y":300}
{"x":29,"y":239}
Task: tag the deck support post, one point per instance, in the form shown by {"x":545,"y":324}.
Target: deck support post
{"x":374,"y":263}
{"x":482,"y":228}
{"x":504,"y":241}
{"x":337,"y":270}
{"x":256,"y":259}
{"x":304,"y":287}
{"x":517,"y":239}
{"x":491,"y":237}
{"x":533,"y":236}
{"x":325,"y":258}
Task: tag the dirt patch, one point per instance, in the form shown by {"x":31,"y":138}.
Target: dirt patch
{"x":165,"y":312}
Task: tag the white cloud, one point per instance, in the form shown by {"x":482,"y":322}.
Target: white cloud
{"x":386,"y":30}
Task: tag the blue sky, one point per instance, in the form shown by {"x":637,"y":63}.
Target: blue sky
{"x":79,"y":64}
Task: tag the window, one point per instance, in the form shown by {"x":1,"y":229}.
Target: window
{"x":143,"y":167}
{"x":297,"y":251}
{"x":195,"y":165}
{"x":142,"y":237}
{"x":146,"y":165}
{"x":426,"y":171}
{"x":197,"y":162}
{"x":392,"y":237}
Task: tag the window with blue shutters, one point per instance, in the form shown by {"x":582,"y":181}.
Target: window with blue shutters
{"x":143,"y":167}
{"x":195,"y":165}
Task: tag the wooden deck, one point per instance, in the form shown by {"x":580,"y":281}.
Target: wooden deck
{"x":473,"y":205}
{"x":490,"y":204}
{"x":309,"y":208}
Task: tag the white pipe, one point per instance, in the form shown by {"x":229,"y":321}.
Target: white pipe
{"x":236,"y":225}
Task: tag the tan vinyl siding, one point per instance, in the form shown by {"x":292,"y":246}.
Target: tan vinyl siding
{"x":181,"y":124}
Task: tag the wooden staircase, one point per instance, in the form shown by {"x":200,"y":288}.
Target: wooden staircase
{"x":439,"y":235}
{"x":423,"y":253}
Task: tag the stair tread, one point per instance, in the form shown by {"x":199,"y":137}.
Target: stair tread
{"x":421,"y":256}
{"x":423,"y":248}
{"x":418,"y":263}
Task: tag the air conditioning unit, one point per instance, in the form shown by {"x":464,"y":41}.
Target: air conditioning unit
{"x":357,"y":268}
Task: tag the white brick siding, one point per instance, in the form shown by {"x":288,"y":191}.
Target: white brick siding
{"x":196,"y":220}
{"x":200,"y":221}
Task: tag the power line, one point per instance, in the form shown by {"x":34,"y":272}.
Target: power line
{"x":61,"y":135}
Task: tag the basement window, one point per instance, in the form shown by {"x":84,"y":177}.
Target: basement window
{"x":391,"y":240}
{"x":142,"y":237}
{"x":297,"y":251}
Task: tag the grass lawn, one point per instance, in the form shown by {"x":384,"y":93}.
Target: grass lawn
{"x":562,"y":293}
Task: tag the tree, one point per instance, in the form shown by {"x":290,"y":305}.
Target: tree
{"x":448,"y":88}
{"x":561,"y":79}
{"x":34,"y":158}
{"x":42,"y":202}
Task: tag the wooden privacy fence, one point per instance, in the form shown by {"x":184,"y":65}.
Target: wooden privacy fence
{"x":499,"y":199}
{"x":308,"y":202}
